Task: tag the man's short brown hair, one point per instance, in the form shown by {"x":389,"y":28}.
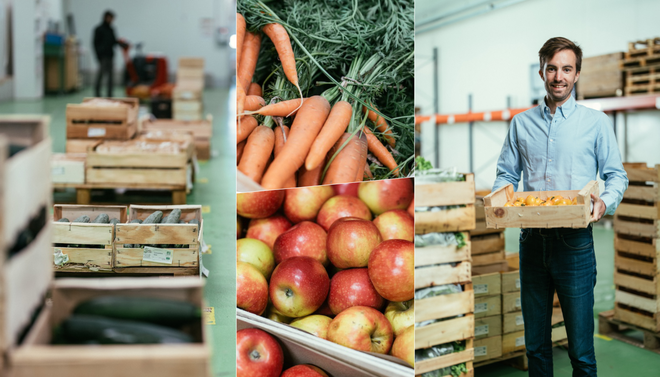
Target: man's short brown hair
{"x":554,"y":45}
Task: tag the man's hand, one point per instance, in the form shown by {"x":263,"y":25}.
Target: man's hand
{"x":599,"y":208}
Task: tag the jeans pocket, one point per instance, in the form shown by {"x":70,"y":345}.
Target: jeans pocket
{"x":578,"y":242}
{"x":524,"y":235}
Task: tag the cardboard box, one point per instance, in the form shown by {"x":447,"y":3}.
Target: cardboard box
{"x":486,"y":327}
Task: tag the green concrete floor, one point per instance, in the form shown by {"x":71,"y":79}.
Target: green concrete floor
{"x":615,"y":358}
{"x":215,"y":187}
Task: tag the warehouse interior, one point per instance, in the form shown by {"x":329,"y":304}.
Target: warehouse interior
{"x":482,"y":57}
{"x":48,"y":64}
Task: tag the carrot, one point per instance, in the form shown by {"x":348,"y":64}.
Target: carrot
{"x":381,"y":153}
{"x":305,"y":127}
{"x":240,"y":98}
{"x":253,"y":103}
{"x":364,"y":150}
{"x":346,"y":164}
{"x":280,"y":38}
{"x":332,"y":131}
{"x":257,"y":151}
{"x":239,"y":151}
{"x":367,"y":171}
{"x":249,"y":57}
{"x":240,"y":36}
{"x":310,"y":177}
{"x":279,"y":109}
{"x":246,"y":124}
{"x":381,"y":125}
{"x":254,"y":90}
{"x":280,"y":134}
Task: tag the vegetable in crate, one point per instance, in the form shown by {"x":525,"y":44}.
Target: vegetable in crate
{"x":101,"y":219}
{"x":114,"y":221}
{"x":154,"y":218}
{"x":82,"y":219}
{"x":145,"y":309}
{"x":63,"y":220}
{"x":173,"y":217}
{"x":81,"y":329}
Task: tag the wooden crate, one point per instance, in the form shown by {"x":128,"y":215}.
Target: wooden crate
{"x":76,"y":146}
{"x":90,"y":247}
{"x":573,"y":216}
{"x":513,"y":342}
{"x":188,"y":90}
{"x":436,"y":254}
{"x":188,"y":237}
{"x":511,"y":302}
{"x":187,"y":115}
{"x":451,"y":220}
{"x":601,"y":76}
{"x":486,"y":284}
{"x":487,"y":306}
{"x":486,"y":327}
{"x":445,"y":193}
{"x":190,"y":69}
{"x":35,"y":357}
{"x":445,"y":274}
{"x":487,"y":348}
{"x":102,"y":122}
{"x":481,"y":229}
{"x":558,"y":334}
{"x":454,"y":329}
{"x":202,"y":131}
{"x":510,"y":280}
{"x":613,"y":328}
{"x":68,"y":167}
{"x":187,"y":106}
{"x":488,"y":243}
{"x":512,"y":322}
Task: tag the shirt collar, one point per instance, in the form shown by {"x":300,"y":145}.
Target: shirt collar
{"x":565,"y":110}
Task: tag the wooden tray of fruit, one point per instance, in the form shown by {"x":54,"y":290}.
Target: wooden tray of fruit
{"x":539,"y":209}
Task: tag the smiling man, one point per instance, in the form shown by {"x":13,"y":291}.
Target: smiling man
{"x":560,"y":145}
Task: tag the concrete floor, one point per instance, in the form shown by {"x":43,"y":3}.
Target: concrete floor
{"x":215,"y":189}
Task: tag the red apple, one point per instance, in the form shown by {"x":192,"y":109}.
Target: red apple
{"x":396,"y":224}
{"x":239,"y":228}
{"x":272,"y":314}
{"x":353,"y":288}
{"x":325,"y":310}
{"x":251,"y":289}
{"x":314,"y":324}
{"x":304,"y":239}
{"x":346,"y":189}
{"x":304,"y":370}
{"x":350,"y":242}
{"x":298,"y":286}
{"x":387,"y":194}
{"x":268,"y":229}
{"x":341,"y":206}
{"x":362,"y":328}
{"x":392,"y":270}
{"x":401,"y":315}
{"x":411,"y":208}
{"x":404,"y":346}
{"x":304,"y":203}
{"x":259,"y":204}
{"x":258,"y":354}
{"x":256,"y":253}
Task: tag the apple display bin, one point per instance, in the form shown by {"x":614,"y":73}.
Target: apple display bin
{"x":573,"y":216}
{"x":301,"y":347}
{"x":36,"y":357}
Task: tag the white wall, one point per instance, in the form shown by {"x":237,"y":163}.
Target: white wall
{"x":27,"y":44}
{"x":489,"y":56}
{"x":173,"y":28}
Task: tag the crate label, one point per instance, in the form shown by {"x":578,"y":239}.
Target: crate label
{"x":480,"y":308}
{"x":480,"y":351}
{"x":209,"y":315}
{"x":58,"y":170}
{"x":95,"y":132}
{"x":519,"y":320}
{"x":520,"y":341}
{"x":481,"y":330}
{"x":156,"y":255}
{"x":518,"y":303}
{"x":480,"y":288}
{"x":517,"y":283}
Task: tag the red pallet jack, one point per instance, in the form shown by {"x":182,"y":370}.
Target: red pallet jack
{"x":145,"y":76}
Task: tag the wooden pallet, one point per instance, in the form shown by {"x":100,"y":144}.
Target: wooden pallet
{"x":84,"y":121}
{"x":646,"y":47}
{"x":641,"y":61}
{"x":616,"y":329}
{"x":653,"y":88}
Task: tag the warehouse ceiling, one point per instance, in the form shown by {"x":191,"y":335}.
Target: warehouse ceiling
{"x":434,"y":14}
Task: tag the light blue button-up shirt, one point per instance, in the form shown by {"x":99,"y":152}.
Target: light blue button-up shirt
{"x":563,"y":152}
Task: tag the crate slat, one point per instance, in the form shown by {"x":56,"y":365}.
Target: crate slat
{"x":445,"y":193}
{"x":452,"y":220}
{"x":487,"y":244}
{"x":436,"y":254}
{"x":439,"y":275}
{"x":444,"y":332}
{"x":639,"y":211}
{"x":444,"y":306}
{"x":651,"y":287}
{"x":132,"y":257}
{"x":625,"y":226}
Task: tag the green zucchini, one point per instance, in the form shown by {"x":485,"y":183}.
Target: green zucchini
{"x":173,"y":217}
{"x":63,"y":220}
{"x":82,"y":329}
{"x":154,"y":218}
{"x":114,"y":221}
{"x":102,"y":218}
{"x":194,"y":221}
{"x":153,"y":310}
{"x":135,"y":221}
{"x":82,"y":219}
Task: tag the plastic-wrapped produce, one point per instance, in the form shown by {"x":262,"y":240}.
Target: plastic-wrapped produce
{"x":438,"y":290}
{"x":442,"y":239}
{"x":438,"y":175}
{"x":437,"y":208}
{"x":442,"y":350}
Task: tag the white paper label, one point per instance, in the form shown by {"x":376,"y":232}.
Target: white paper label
{"x":58,"y":170}
{"x":95,"y":132}
{"x":517,"y":283}
{"x":480,"y":351}
{"x":480,"y":308}
{"x":519,"y":320}
{"x":156,"y":255}
{"x":520,"y":341}
{"x":518,"y":304}
{"x":480,"y":288}
{"x":481,"y":330}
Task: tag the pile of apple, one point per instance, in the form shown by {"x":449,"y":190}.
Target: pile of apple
{"x":335,"y":261}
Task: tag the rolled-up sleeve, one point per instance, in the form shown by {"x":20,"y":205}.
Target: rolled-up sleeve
{"x":509,"y":165}
{"x":610,"y":166}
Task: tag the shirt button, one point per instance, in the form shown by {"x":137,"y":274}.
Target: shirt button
{"x":548,"y":179}
{"x":550,"y":160}
{"x":552,"y":139}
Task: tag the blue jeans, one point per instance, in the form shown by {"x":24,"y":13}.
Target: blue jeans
{"x":561,"y":259}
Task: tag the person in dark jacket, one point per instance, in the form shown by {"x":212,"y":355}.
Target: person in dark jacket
{"x":104,"y":46}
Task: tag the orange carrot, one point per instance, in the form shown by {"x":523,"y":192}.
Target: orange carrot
{"x":249,"y":57}
{"x":279,"y":109}
{"x":239,"y":151}
{"x":240,"y":98}
{"x":381,"y":153}
{"x":367,"y":171}
{"x":240,"y":36}
{"x":332,"y":130}
{"x":346,"y":164}
{"x":254,"y":90}
{"x":257,"y":152}
{"x":364,"y":150}
{"x":246,"y":124}
{"x":305,"y":127}
{"x":280,"y":38}
{"x":381,"y":125}
{"x":253,"y":103}
{"x":310,"y":177}
{"x":279,"y":145}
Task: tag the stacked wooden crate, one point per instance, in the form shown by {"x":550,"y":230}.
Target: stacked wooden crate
{"x":641,"y":67}
{"x":487,"y":243}
{"x":637,"y":250}
{"x":187,"y":94}
{"x":437,"y":265}
{"x":601,"y":76}
{"x":202,"y":130}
